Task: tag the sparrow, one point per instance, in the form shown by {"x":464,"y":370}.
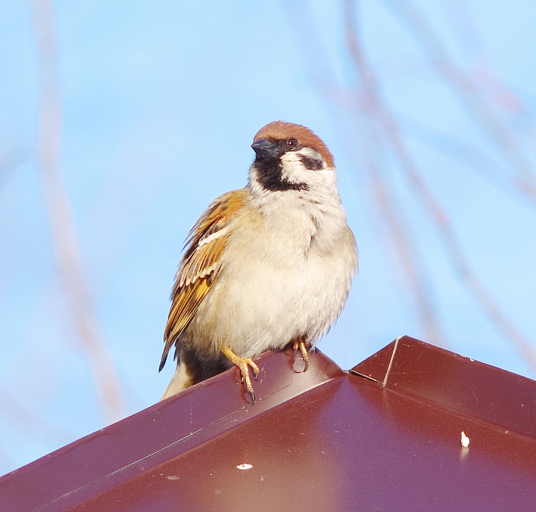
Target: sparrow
{"x":265,"y":266}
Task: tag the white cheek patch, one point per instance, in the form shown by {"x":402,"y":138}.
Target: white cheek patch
{"x":306,"y":166}
{"x":312,"y":160}
{"x":311,"y":153}
{"x":292,"y":168}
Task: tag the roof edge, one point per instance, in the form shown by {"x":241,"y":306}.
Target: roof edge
{"x":459,"y":383}
{"x":160,"y":432}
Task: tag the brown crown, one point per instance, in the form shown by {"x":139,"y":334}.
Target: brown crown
{"x":277,"y":130}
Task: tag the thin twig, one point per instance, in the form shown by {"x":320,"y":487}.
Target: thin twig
{"x":68,"y":261}
{"x":468,"y":94}
{"x":392,"y":215}
{"x":435,"y":212}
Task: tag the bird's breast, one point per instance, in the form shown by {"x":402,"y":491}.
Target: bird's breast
{"x":278,"y":281}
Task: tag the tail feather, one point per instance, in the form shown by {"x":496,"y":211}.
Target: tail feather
{"x":179,"y":382}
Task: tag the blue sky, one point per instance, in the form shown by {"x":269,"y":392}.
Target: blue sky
{"x":159,"y":103}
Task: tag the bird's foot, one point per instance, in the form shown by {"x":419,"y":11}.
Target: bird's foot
{"x":299,"y":344}
{"x":243,"y":364}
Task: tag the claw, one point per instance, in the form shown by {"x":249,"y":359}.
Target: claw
{"x":299,"y":344}
{"x":243,"y":364}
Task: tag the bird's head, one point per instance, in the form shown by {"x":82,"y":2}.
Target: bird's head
{"x":290,"y":157}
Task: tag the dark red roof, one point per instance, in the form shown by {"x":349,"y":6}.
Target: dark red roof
{"x":384,"y":436}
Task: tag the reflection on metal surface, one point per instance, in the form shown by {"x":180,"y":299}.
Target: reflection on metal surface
{"x":316,"y":441}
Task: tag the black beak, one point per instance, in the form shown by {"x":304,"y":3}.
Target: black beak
{"x":264,"y":149}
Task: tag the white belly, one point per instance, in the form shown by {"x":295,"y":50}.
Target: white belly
{"x":286,"y":285}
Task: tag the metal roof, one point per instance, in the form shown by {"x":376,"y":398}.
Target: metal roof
{"x":383,"y":436}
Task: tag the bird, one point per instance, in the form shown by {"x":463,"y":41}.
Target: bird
{"x":265,"y":266}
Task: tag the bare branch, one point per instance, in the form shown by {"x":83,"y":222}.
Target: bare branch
{"x":468,"y":94}
{"x":435,"y":212}
{"x":69,"y":264}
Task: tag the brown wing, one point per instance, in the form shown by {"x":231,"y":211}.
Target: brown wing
{"x":200,"y":265}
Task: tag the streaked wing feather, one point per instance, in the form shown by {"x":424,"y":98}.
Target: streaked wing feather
{"x":200,"y":265}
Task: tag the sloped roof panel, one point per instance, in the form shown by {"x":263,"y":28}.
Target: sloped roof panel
{"x":320,"y":440}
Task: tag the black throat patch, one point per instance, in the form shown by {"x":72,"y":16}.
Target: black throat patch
{"x":270,"y":175}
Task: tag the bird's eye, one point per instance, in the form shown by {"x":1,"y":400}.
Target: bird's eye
{"x":291,"y":143}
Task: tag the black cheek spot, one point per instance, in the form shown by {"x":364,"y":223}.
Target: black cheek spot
{"x":313,"y":164}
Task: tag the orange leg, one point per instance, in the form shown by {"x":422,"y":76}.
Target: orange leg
{"x":243,"y":364}
{"x":299,"y":344}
